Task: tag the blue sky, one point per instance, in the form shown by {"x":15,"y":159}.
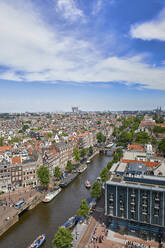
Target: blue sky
{"x":95,"y":54}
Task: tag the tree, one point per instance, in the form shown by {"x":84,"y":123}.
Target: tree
{"x":83,"y":152}
{"x":116,"y":158}
{"x":96,"y":190}
{"x":84,"y":209}
{"x":100,"y":137}
{"x":69,"y":167}
{"x":104,"y":174}
{"x":25,"y":127}
{"x":142,"y":138}
{"x":63,"y":238}
{"x":1,"y":141}
{"x":57,"y":172}
{"x":119,"y":151}
{"x":76,"y":154}
{"x":90,"y":150}
{"x":125,"y":138}
{"x":49,"y":135}
{"x":43,"y":175}
{"x":161,"y":146}
{"x":109,"y":164}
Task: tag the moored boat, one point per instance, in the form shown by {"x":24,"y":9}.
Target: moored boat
{"x":88,"y":161}
{"x":38,"y":241}
{"x":50,"y":196}
{"x":68,"y":180}
{"x":82,"y":169}
{"x":71,"y":222}
{"x":87,"y":184}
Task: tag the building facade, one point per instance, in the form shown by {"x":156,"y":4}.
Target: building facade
{"x":137,"y":206}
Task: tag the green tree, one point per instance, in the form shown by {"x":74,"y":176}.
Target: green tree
{"x":63,"y":238}
{"x":76,"y":154}
{"x":90,"y":150}
{"x":25,"y":127}
{"x":69,"y":167}
{"x":96,"y":190}
{"x":125,"y":138}
{"x":119,"y":151}
{"x":142,"y":138}
{"x":84,"y":209}
{"x":49,"y":135}
{"x":109,"y":164}
{"x":57,"y":172}
{"x":43,"y":175}
{"x":1,"y":141}
{"x":100,"y":137}
{"x":161,"y":146}
{"x":83,"y":152}
{"x":104,"y":174}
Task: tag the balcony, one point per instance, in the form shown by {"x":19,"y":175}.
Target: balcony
{"x":132,"y":210}
{"x":111,"y":207}
{"x":144,"y":196}
{"x":145,"y":213}
{"x":157,"y":199}
{"x":157,"y":206}
{"x":132,"y":203}
{"x":122,"y":208}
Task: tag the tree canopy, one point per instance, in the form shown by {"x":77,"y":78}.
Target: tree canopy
{"x":57,"y":172}
{"x":63,"y":238}
{"x":161,"y":146}
{"x":96,"y":190}
{"x":104,"y":174}
{"x":69,"y":167}
{"x":90,"y":150}
{"x":76,"y":154}
{"x":125,"y":138}
{"x":43,"y":175}
{"x":142,"y":138}
{"x":83,"y":152}
{"x":84,"y":209}
{"x":100,"y":137}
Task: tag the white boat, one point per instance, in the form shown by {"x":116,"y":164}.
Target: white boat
{"x":87,"y":184}
{"x":88,"y":161}
{"x":82,"y":169}
{"x":50,"y":196}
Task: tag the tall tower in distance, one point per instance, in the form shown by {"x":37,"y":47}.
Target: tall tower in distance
{"x":75,"y":110}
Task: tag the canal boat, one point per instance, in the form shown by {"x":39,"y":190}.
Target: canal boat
{"x":50,"y":196}
{"x":87,"y":184}
{"x":88,"y":161}
{"x":68,"y":180}
{"x":38,"y":241}
{"x":82,"y":169}
{"x":71,"y":222}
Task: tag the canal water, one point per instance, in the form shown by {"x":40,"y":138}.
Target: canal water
{"x":46,"y":218}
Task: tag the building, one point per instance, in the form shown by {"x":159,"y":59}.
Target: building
{"x":135,"y":204}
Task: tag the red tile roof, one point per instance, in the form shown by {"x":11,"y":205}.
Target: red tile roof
{"x":5,"y":148}
{"x":16,"y":160}
{"x":147,"y":163}
{"x":136,"y":147}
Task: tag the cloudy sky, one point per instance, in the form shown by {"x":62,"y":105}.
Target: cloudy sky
{"x":94,"y":54}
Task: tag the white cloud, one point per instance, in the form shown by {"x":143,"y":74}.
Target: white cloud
{"x":97,"y":7}
{"x":154,"y":29}
{"x":40,"y":53}
{"x":69,"y":10}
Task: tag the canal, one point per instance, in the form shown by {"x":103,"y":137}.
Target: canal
{"x":46,"y":218}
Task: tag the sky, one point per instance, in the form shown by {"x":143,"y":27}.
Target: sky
{"x":94,"y":54}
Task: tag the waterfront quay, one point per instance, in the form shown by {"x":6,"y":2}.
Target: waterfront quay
{"x":9,"y":215}
{"x":46,"y":218}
